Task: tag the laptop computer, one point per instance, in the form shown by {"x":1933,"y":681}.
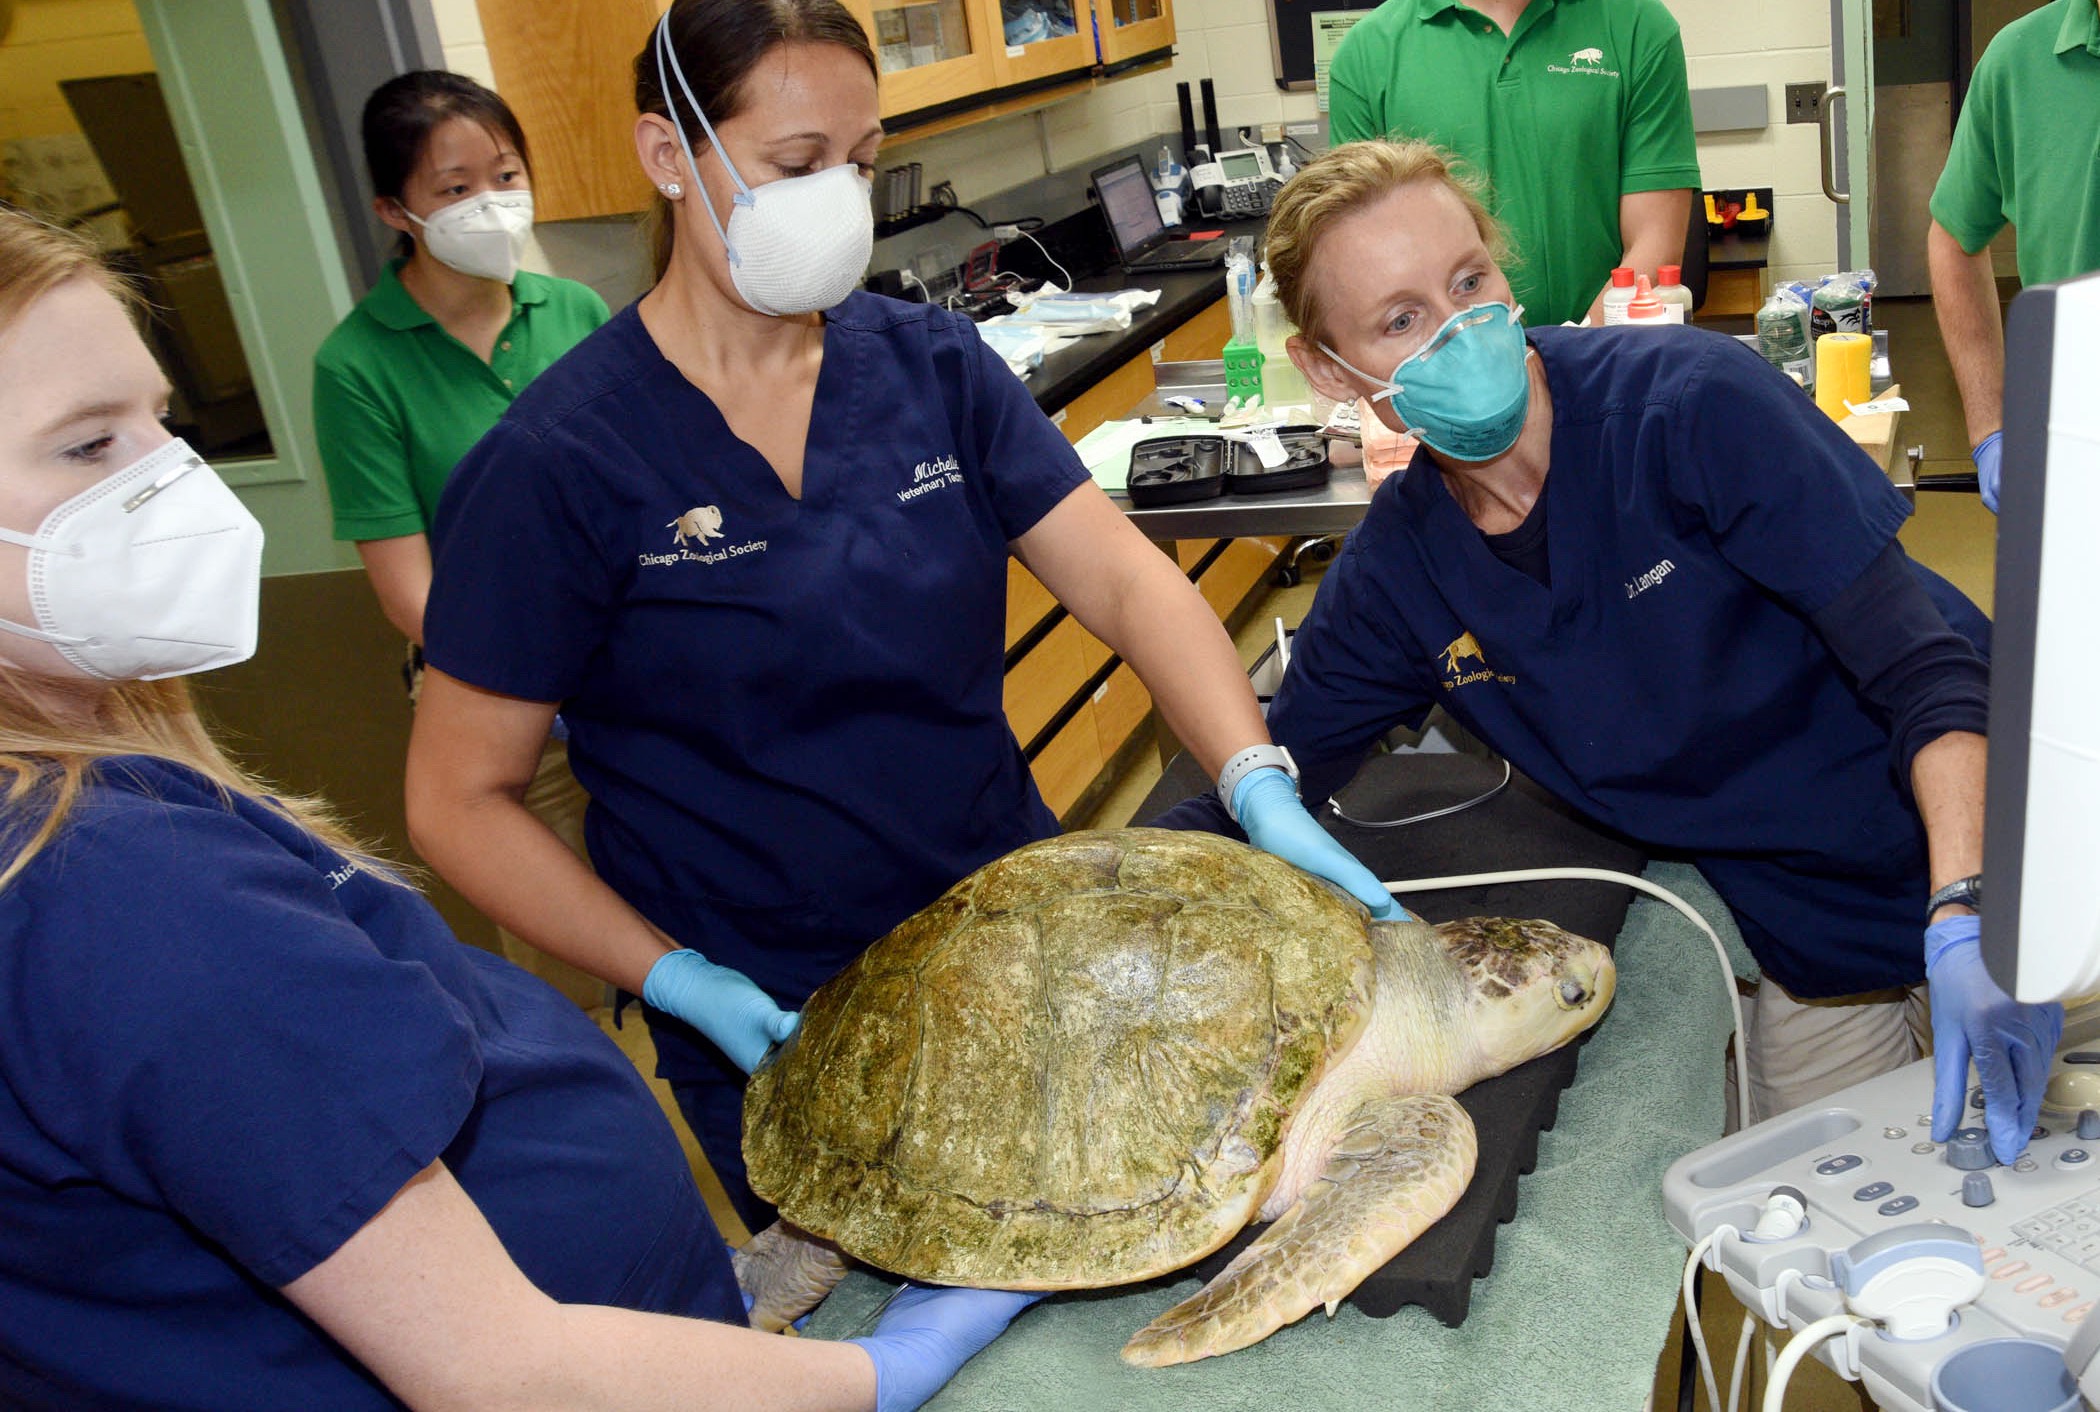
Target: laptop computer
{"x":1143,"y":243}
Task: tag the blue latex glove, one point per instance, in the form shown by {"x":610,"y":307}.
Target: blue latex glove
{"x":722,"y":1004}
{"x":927,"y":1334}
{"x":1986,"y":458}
{"x":2012,"y":1044}
{"x":1266,"y":804}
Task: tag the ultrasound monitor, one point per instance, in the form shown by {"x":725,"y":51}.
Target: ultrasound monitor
{"x":2041,"y":891}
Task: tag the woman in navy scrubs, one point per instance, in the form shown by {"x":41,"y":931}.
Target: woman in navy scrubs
{"x":1643,"y":568}
{"x":269,"y":1136}
{"x":752,"y":538}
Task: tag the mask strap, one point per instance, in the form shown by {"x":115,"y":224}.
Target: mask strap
{"x":1388,"y":391}
{"x":56,"y":639}
{"x":1385,"y":389}
{"x":743,"y":195}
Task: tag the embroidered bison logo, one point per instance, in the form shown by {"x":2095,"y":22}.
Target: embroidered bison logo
{"x":1592,"y":57}
{"x":1466,"y":646}
{"x":701,"y":523}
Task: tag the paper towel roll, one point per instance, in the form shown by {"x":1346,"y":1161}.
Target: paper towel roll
{"x":1842,"y":371}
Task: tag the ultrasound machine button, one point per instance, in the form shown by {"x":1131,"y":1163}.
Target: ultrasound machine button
{"x":1924,"y":1149}
{"x":1873,"y":1191}
{"x":1970,"y":1150}
{"x":1839,"y":1165}
{"x":2077,"y":1316}
{"x":2056,"y":1298}
{"x":2009,"y":1269}
{"x":1898,"y":1206}
{"x":2073,"y":1157}
{"x":1976,"y":1189}
{"x":1894,"y":1133}
{"x":2026,"y":1164}
{"x":2088,"y":1125}
{"x":2029,"y":1286}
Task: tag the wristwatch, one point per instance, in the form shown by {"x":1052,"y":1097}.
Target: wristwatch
{"x":1254,"y":757}
{"x":1967,"y":891}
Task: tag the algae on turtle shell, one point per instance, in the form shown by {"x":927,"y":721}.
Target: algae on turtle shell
{"x":1097,"y":1059}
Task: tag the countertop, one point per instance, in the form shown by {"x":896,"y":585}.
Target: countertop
{"x":1069,"y":372}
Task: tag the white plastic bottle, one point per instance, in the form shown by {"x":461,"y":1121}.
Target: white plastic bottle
{"x":1669,"y":287}
{"x":1282,"y":385}
{"x":1618,"y":296}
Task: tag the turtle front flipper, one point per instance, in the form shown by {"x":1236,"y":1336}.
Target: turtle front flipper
{"x":1400,"y":1163}
{"x":785,"y":1273}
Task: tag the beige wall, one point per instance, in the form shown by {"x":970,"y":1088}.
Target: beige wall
{"x":53,"y":40}
{"x":1727,"y":42}
{"x":1775,"y":42}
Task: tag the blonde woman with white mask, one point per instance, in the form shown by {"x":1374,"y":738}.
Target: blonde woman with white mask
{"x":752,"y":540}
{"x":269,"y":1136}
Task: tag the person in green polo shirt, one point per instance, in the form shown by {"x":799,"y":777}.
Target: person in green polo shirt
{"x":2024,"y":152}
{"x":1576,"y":111}
{"x":429,"y":360}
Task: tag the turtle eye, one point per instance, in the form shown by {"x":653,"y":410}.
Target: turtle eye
{"x":1573,"y":993}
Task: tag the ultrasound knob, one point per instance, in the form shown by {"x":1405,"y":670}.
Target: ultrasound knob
{"x":2088,"y":1125}
{"x":1976,"y":1189}
{"x":1969,"y":1150}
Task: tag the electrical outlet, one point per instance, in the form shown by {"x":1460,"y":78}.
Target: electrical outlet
{"x":1804,"y":102}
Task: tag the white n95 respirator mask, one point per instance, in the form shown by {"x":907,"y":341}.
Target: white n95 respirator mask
{"x":483,"y":235}
{"x":153,"y":572}
{"x":796,"y":246}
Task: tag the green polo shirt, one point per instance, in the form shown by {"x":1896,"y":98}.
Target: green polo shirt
{"x":1584,"y":103}
{"x":397,"y":400}
{"x":2027,"y":145}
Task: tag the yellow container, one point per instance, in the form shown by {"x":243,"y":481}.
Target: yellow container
{"x":1843,"y":372}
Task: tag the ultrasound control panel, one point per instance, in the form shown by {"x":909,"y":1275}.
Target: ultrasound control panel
{"x":1873,"y":1182}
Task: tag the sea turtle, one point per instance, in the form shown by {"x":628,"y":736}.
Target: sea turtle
{"x":1095,"y":1060}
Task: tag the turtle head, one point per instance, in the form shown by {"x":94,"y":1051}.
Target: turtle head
{"x":1533,"y":985}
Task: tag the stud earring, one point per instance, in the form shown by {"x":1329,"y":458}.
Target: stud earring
{"x":674,"y":191}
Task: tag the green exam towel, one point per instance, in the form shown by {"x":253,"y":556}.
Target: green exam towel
{"x":1578,"y":1305}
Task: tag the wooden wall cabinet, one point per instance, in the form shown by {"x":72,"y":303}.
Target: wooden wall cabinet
{"x":1129,"y":28}
{"x":566,"y":67}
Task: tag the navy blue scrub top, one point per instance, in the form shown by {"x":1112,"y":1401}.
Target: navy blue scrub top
{"x":788,"y":714}
{"x":1666,"y":679}
{"x":223,"y":1049}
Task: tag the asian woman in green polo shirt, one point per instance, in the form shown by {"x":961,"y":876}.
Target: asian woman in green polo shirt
{"x":433,"y":356}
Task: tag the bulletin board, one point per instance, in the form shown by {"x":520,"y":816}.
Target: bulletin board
{"x":1291,"y":41}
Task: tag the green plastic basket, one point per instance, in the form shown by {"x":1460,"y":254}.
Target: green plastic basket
{"x":1243,"y":371}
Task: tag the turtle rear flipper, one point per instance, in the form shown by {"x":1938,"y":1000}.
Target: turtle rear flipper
{"x":1398,"y":1165}
{"x":785,"y":1273}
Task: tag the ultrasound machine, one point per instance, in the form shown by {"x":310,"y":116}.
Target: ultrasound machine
{"x":1926,"y":1271}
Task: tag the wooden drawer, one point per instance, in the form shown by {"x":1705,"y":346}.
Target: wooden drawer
{"x":1043,"y":682}
{"x":1027,"y":602}
{"x":1226,"y":583}
{"x":1201,"y":337}
{"x":1189,"y":552}
{"x":1121,"y":705}
{"x":1108,"y":399}
{"x":1069,"y":763}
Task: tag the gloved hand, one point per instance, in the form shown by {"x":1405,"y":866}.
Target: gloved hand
{"x":1266,"y":804}
{"x":926,"y":1334}
{"x":722,"y":1004}
{"x":2012,"y":1044}
{"x":1986,"y":458}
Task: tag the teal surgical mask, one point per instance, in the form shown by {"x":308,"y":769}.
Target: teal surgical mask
{"x":1466,"y":390}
